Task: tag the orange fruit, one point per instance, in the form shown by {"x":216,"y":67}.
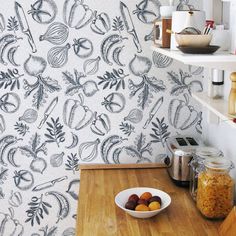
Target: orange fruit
{"x":146,"y":196}
{"x":141,"y":207}
{"x":154,"y":206}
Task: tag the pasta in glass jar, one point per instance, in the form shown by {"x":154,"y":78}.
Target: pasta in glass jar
{"x":215,"y":194}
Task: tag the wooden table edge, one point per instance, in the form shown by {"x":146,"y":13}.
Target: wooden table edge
{"x":121,"y":166}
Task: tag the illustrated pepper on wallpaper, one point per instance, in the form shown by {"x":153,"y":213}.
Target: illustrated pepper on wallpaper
{"x":9,"y":225}
{"x":101,"y":124}
{"x":15,"y":199}
{"x":181,"y":114}
{"x":76,"y":115}
{"x":101,"y":24}
{"x":76,"y":14}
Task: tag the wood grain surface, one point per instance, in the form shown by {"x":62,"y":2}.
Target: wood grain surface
{"x":99,"y":216}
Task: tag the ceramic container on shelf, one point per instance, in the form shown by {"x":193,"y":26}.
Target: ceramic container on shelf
{"x":232,"y":96}
{"x":183,"y":19}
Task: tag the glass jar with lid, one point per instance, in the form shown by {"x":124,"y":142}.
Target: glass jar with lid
{"x":215,"y":193}
{"x":196,"y":165}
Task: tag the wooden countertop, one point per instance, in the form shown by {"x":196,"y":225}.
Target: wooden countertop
{"x":98,"y":214}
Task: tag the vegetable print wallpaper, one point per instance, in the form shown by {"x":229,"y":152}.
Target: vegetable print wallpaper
{"x":80,"y":84}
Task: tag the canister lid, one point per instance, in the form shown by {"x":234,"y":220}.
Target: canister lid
{"x":208,"y":152}
{"x":218,"y":163}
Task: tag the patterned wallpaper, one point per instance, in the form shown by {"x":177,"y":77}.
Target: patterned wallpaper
{"x":79,"y":84}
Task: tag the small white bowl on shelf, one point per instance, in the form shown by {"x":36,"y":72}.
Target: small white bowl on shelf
{"x":193,"y":40}
{"x":122,"y":197}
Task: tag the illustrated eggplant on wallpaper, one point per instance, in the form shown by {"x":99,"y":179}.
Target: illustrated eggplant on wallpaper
{"x":91,"y":66}
{"x":127,"y":128}
{"x":72,"y":162}
{"x":116,"y":55}
{"x":114,"y":102}
{"x":37,"y":208}
{"x":140,"y":66}
{"x":148,"y":10}
{"x":58,"y":56}
{"x":107,"y":46}
{"x":108,"y":144}
{"x":89,"y":87}
{"x":76,"y":115}
{"x":5,"y":42}
{"x":2,"y":23}
{"x":181,"y":115}
{"x":56,"y":160}
{"x":114,"y":78}
{"x":69,"y":232}
{"x":118,"y":24}
{"x":5,"y":142}
{"x":101,"y":124}
{"x":43,"y":11}
{"x":21,"y":128}
{"x":160,"y":60}
{"x":88,"y":151}
{"x":129,"y":25}
{"x":3,"y":175}
{"x":57,"y":33}
{"x":23,"y":179}
{"x":25,"y":26}
{"x":160,"y":130}
{"x":35,"y":66}
{"x":29,"y":116}
{"x":9,"y":225}
{"x":135,"y":152}
{"x":49,"y":184}
{"x":83,"y":47}
{"x":64,"y":205}
{"x":150,"y":36}
{"x":101,"y":23}
{"x":15,"y":200}
{"x":73,"y":188}
{"x":11,"y":55}
{"x":10,"y":78}
{"x":76,"y":14}
{"x":181,"y":83}
{"x":75,"y":141}
{"x":199,"y":123}
{"x":33,"y":150}
{"x":2,"y":124}
{"x":135,"y":116}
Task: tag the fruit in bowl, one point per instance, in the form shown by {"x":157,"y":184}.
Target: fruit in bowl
{"x":142,"y":202}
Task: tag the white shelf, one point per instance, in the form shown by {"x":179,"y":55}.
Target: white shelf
{"x":218,"y":106}
{"x":219,"y":60}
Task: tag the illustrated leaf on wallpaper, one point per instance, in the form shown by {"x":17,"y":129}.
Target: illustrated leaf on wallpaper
{"x":12,"y":24}
{"x":37,"y":209}
{"x":113,"y":79}
{"x":160,"y":131}
{"x":56,"y":134}
{"x":10,"y":79}
{"x":72,"y":162}
{"x":140,"y":148}
{"x":34,"y":147}
{"x":181,"y":84}
{"x":118,"y":24}
{"x":127,"y":128}
{"x":21,"y":128}
{"x":52,"y":231}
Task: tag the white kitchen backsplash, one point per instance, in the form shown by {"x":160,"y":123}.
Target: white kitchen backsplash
{"x":80,"y":84}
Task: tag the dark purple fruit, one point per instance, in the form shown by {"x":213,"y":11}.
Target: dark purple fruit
{"x":130,"y":205}
{"x":143,"y":201}
{"x":134,"y":198}
{"x":155,"y":199}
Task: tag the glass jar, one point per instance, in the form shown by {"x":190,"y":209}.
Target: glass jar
{"x":197,"y":165}
{"x":215,"y":193}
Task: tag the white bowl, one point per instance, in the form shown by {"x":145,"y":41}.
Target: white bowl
{"x":122,"y":197}
{"x":192,"y":40}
